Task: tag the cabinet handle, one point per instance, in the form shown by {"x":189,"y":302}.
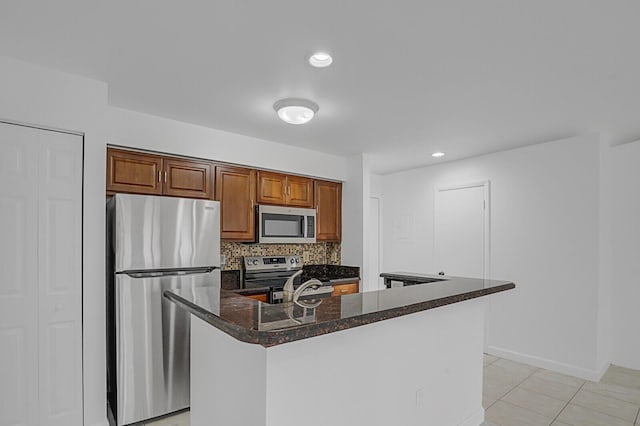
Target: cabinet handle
{"x":252,"y":204}
{"x":159,"y":176}
{"x":165,"y":177}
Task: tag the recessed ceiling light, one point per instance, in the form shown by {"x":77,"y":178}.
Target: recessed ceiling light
{"x":320,"y":60}
{"x":437,"y":154}
{"x":295,"y":111}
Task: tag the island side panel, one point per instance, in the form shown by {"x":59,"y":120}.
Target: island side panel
{"x":420,"y":369}
{"x":228,"y":379}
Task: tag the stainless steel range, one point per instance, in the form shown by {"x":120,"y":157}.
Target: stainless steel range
{"x":273,"y":271}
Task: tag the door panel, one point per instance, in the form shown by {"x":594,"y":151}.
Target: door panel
{"x":235,"y":189}
{"x":60,"y":278}
{"x":328,"y":211}
{"x":165,"y":232}
{"x":60,"y":399}
{"x":15,"y":392}
{"x":299,"y":191}
{"x":460,"y":232}
{"x":188,"y":178}
{"x":271,"y":188}
{"x":19,"y":282}
{"x":152,"y":348}
{"x":133,"y":172}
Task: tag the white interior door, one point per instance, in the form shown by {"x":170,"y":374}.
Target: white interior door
{"x":41,"y":296}
{"x":19,"y":277}
{"x":461,"y":231}
{"x":373,"y":240}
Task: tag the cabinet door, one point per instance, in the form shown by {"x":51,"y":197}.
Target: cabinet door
{"x":235,"y":189}
{"x":188,"y":178}
{"x":329,"y":211}
{"x":299,"y":191}
{"x":263,"y":297}
{"x":133,"y":172}
{"x":271,"y":188}
{"x":345,"y":288}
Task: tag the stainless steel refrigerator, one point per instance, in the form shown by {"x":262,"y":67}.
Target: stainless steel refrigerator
{"x":154,"y":244}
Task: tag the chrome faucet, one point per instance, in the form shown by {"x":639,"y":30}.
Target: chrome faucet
{"x":290,"y":293}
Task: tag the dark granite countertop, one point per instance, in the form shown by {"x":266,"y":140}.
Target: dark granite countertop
{"x":412,"y":277}
{"x":251,"y":321}
{"x":329,"y":272}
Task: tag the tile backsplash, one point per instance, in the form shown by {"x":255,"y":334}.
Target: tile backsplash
{"x":311,"y":254}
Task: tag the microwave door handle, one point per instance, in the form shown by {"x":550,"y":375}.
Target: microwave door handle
{"x":304,"y":226}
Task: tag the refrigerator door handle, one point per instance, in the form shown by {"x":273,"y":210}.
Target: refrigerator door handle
{"x":168,"y":272}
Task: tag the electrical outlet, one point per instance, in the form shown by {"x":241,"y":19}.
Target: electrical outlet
{"x":334,"y":256}
{"x":223,"y":260}
{"x":306,"y":256}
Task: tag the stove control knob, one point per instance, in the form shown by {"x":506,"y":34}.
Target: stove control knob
{"x":255,"y":261}
{"x":293,"y":260}
{"x":297,"y":260}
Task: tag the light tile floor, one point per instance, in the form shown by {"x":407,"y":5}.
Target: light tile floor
{"x":521,"y":395}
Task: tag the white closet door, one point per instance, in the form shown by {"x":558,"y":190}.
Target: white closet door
{"x":41,"y":296}
{"x":60,"y":278}
{"x":18,"y":276}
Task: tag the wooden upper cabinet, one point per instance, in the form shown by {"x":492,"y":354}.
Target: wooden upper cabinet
{"x":188,"y":178}
{"x":271,"y":188}
{"x":328,"y":211}
{"x":284,"y":190}
{"x":133,"y":172}
{"x":235,"y":189}
{"x":299,"y":191}
{"x":142,"y":173}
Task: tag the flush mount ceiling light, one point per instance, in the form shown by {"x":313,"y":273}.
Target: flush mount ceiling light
{"x":295,"y":111}
{"x":437,"y":154}
{"x":320,"y":60}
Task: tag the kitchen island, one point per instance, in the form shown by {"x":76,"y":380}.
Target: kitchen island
{"x":409,"y":355}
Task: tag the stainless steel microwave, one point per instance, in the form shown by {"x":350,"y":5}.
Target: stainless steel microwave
{"x":286,"y":225}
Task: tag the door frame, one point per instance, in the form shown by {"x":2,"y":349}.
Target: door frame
{"x":83,"y":329}
{"x":486,"y":185}
{"x":379,"y":198}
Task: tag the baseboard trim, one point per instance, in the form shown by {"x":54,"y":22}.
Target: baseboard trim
{"x":558,"y":367}
{"x":476,"y":419}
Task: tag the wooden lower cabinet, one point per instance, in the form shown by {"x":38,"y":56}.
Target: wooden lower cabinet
{"x":235,"y":189}
{"x":328,"y":211}
{"x":188,"y":178}
{"x":345,"y":288}
{"x":264,"y":297}
{"x":133,"y":172}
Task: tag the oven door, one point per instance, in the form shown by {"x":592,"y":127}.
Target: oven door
{"x":284,"y":225}
{"x":274,"y":280}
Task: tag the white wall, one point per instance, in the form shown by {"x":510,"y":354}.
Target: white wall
{"x":41,"y":96}
{"x":144,"y":131}
{"x":625,"y":201}
{"x":544,"y":237}
{"x":352,"y":213}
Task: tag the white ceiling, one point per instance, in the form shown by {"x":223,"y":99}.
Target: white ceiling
{"x":409,"y":77}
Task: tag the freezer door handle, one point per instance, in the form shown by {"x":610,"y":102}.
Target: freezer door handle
{"x":169,"y":272}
